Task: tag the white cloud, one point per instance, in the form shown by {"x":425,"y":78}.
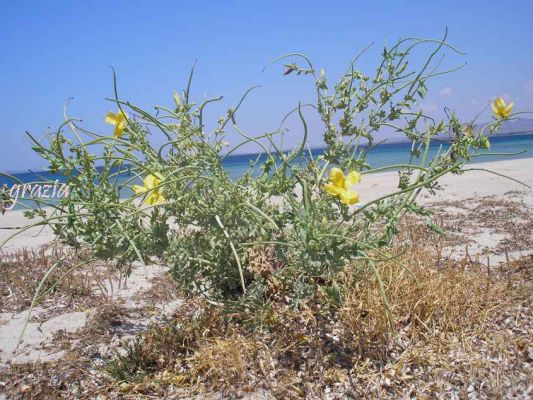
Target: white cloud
{"x":446,"y":91}
{"x":529,"y":87}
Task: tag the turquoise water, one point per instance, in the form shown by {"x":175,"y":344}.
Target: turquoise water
{"x":398,"y":153}
{"x":379,"y":156}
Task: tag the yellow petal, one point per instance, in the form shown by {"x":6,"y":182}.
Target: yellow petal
{"x":336,"y":176}
{"x":119,"y":130}
{"x":155,"y":198}
{"x":121,"y":116}
{"x":150,"y":200}
{"x":500,"y":103}
{"x":110,"y":118}
{"x":332,"y":189}
{"x":353,"y":178}
{"x":494,"y":109}
{"x":349,"y":197}
{"x":150,"y":182}
{"x":508,"y":109}
{"x":139,"y":189}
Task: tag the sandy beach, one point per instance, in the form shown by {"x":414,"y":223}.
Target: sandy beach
{"x":467,"y":204}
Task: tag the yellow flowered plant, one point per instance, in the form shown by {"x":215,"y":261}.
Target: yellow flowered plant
{"x":341,"y":186}
{"x":151,"y":185}
{"x":500,"y":109}
{"x":309,"y":244}
{"x":119,"y":120}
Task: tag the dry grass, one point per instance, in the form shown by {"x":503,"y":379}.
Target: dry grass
{"x":422,"y":298}
{"x":22,"y":270}
{"x":446,"y":329}
{"x":225,"y":359}
{"x":74,"y":282}
{"x":458,"y":330}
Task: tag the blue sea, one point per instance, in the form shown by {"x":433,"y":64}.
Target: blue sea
{"x":398,"y":153}
{"x":378,"y":156}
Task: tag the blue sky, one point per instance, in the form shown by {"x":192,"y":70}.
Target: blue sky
{"x":53,"y":50}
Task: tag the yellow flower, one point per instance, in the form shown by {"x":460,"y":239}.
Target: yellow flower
{"x":500,"y":109}
{"x":150,"y":185}
{"x":119,"y":120}
{"x":341,"y":186}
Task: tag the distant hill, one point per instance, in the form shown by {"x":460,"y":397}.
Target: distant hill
{"x":516,"y":127}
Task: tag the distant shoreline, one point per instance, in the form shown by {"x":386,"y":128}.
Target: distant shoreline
{"x":517,"y":133}
{"x":384,"y":145}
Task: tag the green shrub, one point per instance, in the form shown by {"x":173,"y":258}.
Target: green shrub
{"x":288,"y":226}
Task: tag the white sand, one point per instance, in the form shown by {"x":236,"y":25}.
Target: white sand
{"x":36,"y":344}
{"x":471,"y":184}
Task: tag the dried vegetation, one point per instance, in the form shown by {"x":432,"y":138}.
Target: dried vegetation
{"x":458,"y":329}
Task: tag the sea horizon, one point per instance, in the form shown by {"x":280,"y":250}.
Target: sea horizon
{"x":503,"y":147}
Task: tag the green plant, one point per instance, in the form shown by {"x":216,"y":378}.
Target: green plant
{"x":209,"y":227}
